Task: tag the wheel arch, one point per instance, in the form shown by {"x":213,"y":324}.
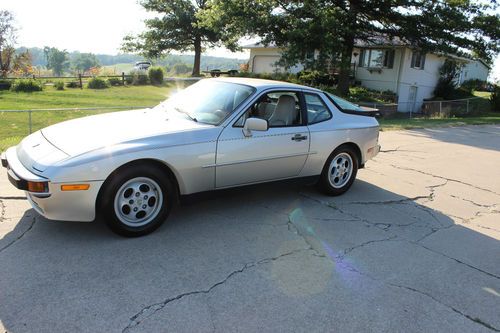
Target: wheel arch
{"x":149,"y":161}
{"x":356,"y":149}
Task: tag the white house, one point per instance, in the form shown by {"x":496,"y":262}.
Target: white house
{"x":393,"y":66}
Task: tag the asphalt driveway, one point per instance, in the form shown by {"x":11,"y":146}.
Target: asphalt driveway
{"x":412,"y":247}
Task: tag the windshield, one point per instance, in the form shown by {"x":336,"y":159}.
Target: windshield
{"x":346,"y":105}
{"x":208,"y":101}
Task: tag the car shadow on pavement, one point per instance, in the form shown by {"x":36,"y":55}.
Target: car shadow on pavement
{"x":259,"y":258}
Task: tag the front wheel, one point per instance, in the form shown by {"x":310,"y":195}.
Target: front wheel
{"x":339,"y":171}
{"x":137,"y":200}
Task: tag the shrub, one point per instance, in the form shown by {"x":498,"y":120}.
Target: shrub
{"x":495,"y":99}
{"x":156,"y":75}
{"x":97,"y":83}
{"x":26,"y":85}
{"x":138,"y":78}
{"x":473,"y":84}
{"x":73,"y":84}
{"x":59,"y":85}
{"x":5,"y":84}
{"x":115,"y":81}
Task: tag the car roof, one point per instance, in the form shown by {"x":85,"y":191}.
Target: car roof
{"x":263,"y":84}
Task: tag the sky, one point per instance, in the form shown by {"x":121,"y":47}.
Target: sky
{"x":96,"y":26}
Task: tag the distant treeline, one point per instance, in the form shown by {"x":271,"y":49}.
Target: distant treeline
{"x":207,"y":62}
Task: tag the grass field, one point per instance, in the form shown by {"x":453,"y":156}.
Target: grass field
{"x":118,"y":69}
{"x":14,"y":126}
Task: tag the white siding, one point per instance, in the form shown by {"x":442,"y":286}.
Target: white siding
{"x":424,"y":79}
{"x":402,"y":79}
{"x":386,"y":79}
{"x":263,"y":60}
{"x":474,"y":70}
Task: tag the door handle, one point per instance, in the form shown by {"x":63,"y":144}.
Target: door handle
{"x":299,"y":137}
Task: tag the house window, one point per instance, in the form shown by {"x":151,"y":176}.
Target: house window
{"x":418,"y":60}
{"x":374,"y":58}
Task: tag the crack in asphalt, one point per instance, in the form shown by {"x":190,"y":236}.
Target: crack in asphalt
{"x":456,"y":260}
{"x":2,"y":210}
{"x":444,"y":178}
{"x":469,"y":317}
{"x":296,"y":230}
{"x":473,"y":319}
{"x":33,"y":220}
{"x":12,"y":198}
{"x":350,"y":249}
{"x":472,"y":202}
{"x":396,"y":201}
{"x":150,"y":310}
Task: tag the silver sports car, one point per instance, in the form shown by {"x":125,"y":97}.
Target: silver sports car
{"x":132,"y":166}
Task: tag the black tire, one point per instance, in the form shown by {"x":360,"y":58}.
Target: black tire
{"x":137,"y":176}
{"x":328,"y":185}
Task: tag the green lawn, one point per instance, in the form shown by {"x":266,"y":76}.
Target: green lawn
{"x":14,"y":125}
{"x":75,"y":97}
{"x":401,"y":124}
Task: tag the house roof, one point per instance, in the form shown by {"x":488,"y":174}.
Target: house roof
{"x":259,"y":45}
{"x":261,"y":83}
{"x":381,"y":41}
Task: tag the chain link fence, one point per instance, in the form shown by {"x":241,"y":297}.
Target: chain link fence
{"x":433,"y":109}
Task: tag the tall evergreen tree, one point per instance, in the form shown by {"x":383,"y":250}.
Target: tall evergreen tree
{"x":333,"y":26}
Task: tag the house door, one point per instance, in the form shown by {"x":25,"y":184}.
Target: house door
{"x":412,"y":98}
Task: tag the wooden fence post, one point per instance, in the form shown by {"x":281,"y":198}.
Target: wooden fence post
{"x":80,"y":79}
{"x":123,"y":78}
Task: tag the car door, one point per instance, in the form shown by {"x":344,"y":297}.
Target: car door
{"x":280,"y":152}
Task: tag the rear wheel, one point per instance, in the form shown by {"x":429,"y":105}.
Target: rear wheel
{"x":137,"y":200}
{"x":339,"y":171}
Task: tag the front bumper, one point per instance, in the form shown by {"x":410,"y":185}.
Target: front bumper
{"x":55,"y":204}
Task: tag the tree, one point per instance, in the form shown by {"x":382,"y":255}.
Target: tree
{"x":332,"y":27}
{"x":176,"y":29}
{"x":57,"y":60}
{"x":82,"y":62}
{"x":7,"y":41}
{"x":447,"y":82}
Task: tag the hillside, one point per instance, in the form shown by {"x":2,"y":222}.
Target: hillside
{"x":124,"y":62}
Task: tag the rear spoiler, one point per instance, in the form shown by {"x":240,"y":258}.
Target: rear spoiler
{"x":375,"y":113}
{"x":367,"y":113}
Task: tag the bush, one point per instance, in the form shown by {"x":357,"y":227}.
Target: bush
{"x":495,"y":99}
{"x":73,"y":84}
{"x":115,"y":81}
{"x":26,"y":85}
{"x":5,"y":84}
{"x":59,"y":85}
{"x":138,"y":78}
{"x":156,"y":75}
{"x":474,"y":84}
{"x":97,"y":83}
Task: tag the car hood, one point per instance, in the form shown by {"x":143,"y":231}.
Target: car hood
{"x":77,"y":136}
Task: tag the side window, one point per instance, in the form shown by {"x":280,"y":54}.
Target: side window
{"x":279,"y":108}
{"x":317,"y":111}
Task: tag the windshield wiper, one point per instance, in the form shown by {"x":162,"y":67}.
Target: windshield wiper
{"x":186,"y":113}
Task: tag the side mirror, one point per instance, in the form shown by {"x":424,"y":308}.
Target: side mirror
{"x":254,"y":124}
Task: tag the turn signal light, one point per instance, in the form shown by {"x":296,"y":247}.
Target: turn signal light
{"x":38,"y":187}
{"x":75,"y":187}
